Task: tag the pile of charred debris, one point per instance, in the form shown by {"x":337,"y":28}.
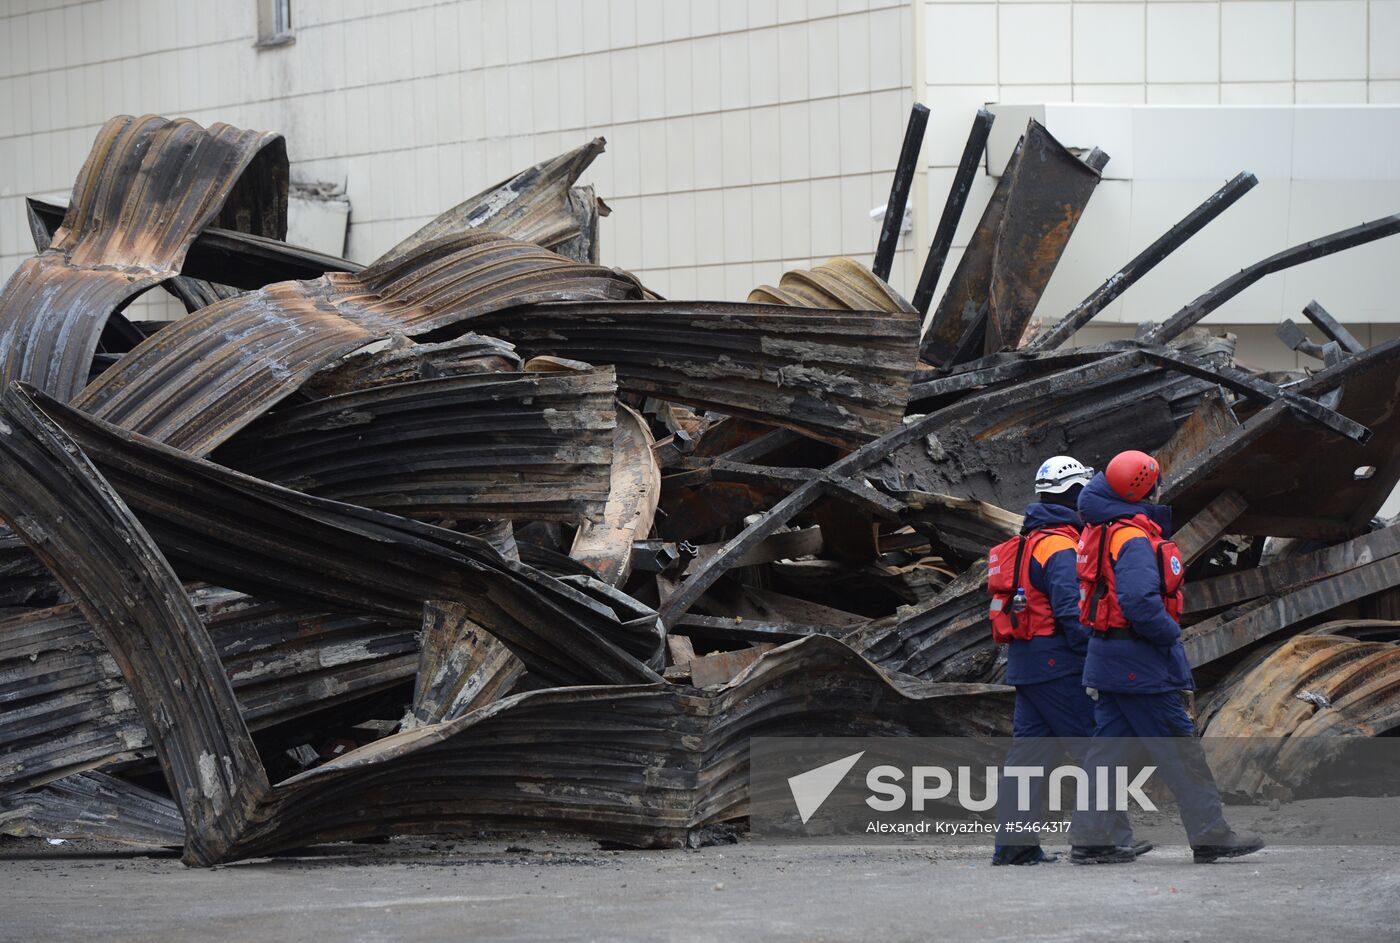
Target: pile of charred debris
{"x":487,"y":535}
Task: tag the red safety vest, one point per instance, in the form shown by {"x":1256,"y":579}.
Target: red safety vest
{"x":1099,"y":547}
{"x":1009,"y":568}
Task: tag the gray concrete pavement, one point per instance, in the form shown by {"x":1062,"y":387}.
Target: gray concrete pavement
{"x":569,"y":890}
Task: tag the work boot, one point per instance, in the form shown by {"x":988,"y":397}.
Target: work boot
{"x":1023,"y":855}
{"x":1231,"y":845}
{"x":1142,"y":847}
{"x":1102,"y":854}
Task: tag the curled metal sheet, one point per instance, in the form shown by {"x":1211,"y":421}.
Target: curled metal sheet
{"x":641,"y":765}
{"x":1013,"y":252}
{"x":68,"y":709}
{"x":397,"y":359}
{"x":148,"y":187}
{"x":196,"y":383}
{"x":462,"y":667}
{"x":93,"y":806}
{"x":540,"y":205}
{"x":232,"y":530}
{"x":70,"y":517}
{"x":946,"y":638}
{"x":840,"y":283}
{"x":473,"y":447}
{"x":219,"y":260}
{"x":839,"y":376}
{"x":1310,"y":686}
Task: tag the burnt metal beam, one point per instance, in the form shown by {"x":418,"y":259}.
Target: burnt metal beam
{"x":1333,"y":328}
{"x":1261,"y":390}
{"x":1296,"y":255}
{"x":1215,"y":638}
{"x":952,"y":210}
{"x":1145,"y":261}
{"x":899,"y":191}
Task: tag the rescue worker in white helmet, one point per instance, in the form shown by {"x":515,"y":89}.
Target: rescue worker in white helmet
{"x":1035,"y":612}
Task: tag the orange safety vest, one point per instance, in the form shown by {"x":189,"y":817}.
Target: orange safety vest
{"x":1009,"y":569}
{"x":1099,"y":547}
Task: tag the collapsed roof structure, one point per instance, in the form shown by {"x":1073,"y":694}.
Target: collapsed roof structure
{"x":486,"y":534}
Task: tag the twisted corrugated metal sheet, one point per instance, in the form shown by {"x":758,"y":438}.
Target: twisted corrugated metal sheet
{"x":149,"y":186}
{"x":1310,"y":687}
{"x":196,"y":383}
{"x":839,"y":283}
{"x":539,"y":205}
{"x":474,"y":447}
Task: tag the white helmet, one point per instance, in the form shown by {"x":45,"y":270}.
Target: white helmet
{"x":1059,"y":473}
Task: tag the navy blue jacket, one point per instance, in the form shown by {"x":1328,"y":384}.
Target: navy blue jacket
{"x":1047,"y":657}
{"x":1156,"y":662}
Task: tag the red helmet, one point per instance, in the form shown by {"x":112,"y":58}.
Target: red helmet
{"x":1132,"y":474}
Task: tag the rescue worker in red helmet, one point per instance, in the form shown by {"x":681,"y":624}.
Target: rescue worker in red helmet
{"x":1130,"y":577}
{"x":1035,"y":612}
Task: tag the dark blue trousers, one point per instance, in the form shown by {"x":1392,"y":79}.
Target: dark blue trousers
{"x":1046,"y":714}
{"x":1155,"y":730}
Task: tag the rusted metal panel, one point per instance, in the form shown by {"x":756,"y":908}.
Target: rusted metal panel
{"x":1144,"y":262}
{"x":1014,"y":251}
{"x":221,"y":258}
{"x":1311,"y":686}
{"x":148,"y":187}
